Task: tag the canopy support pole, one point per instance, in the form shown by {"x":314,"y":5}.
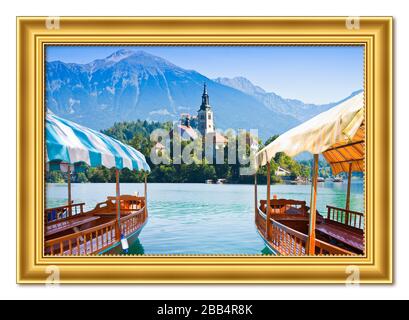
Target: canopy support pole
{"x":118,"y":203}
{"x":146,"y":192}
{"x":69,"y":189}
{"x":268,"y":211}
{"x":313,"y":208}
{"x":255,"y":194}
{"x":349,"y":187}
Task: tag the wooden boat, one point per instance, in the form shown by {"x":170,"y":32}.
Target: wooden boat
{"x":69,"y":230}
{"x":338,"y":233}
{"x":288,"y":227}
{"x":112,"y":224}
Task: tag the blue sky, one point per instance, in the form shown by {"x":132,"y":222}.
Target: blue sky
{"x":310,"y":74}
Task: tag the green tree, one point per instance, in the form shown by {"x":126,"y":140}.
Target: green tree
{"x":271,"y":139}
{"x":99,"y":174}
{"x":55,"y":177}
{"x":209,"y":172}
{"x":81,"y":177}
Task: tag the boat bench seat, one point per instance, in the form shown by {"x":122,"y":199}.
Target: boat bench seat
{"x":69,"y":224}
{"x":349,"y":237}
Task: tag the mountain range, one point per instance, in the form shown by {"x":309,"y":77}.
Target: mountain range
{"x":130,"y":85}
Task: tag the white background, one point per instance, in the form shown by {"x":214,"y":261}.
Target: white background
{"x":11,"y":9}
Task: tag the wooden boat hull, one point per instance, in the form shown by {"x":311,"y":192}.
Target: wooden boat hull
{"x":117,"y":247}
{"x":267,"y":244}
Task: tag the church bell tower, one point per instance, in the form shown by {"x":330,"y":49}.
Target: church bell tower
{"x":205,"y":115}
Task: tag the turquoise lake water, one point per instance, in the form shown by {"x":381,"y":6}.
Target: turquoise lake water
{"x":202,"y":218}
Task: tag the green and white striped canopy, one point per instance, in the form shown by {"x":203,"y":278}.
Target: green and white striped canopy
{"x":72,"y":143}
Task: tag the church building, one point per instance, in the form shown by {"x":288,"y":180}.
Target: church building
{"x":203,"y":124}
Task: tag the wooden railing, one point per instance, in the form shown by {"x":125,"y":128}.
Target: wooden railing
{"x":96,"y":239}
{"x":289,"y":242}
{"x":133,"y":222}
{"x":349,"y":218}
{"x":282,"y":239}
{"x":63,"y":212}
{"x":90,"y":241}
{"x":281,"y":206}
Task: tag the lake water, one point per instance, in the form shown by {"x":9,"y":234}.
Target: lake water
{"x":202,"y":218}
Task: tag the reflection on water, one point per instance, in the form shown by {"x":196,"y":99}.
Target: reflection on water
{"x":266,"y":251}
{"x":136,"y":247}
{"x":202,"y":218}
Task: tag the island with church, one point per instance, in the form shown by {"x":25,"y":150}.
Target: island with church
{"x":202,"y":125}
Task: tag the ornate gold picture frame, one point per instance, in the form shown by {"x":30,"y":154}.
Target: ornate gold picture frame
{"x":375,"y":34}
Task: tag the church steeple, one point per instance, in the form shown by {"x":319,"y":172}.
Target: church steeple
{"x":205,"y":99}
{"x":205,"y":114}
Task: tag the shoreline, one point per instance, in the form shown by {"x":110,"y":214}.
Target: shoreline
{"x":202,"y":183}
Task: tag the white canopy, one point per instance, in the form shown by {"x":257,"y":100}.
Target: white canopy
{"x":69,"y":142}
{"x":330,"y":129}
